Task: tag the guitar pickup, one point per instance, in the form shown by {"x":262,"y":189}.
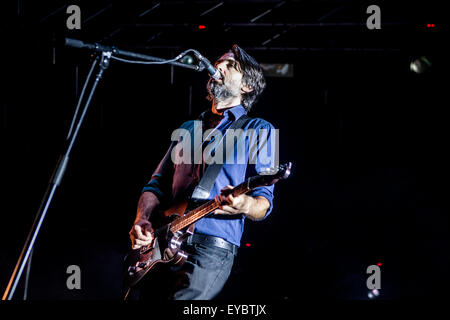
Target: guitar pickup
{"x":147,"y":248}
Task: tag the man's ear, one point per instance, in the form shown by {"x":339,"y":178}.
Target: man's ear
{"x":246,"y":89}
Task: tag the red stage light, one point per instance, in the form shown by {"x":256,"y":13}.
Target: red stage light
{"x":248,"y":245}
{"x":379,"y":264}
{"x":201,"y":27}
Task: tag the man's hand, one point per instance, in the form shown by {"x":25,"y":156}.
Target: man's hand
{"x":236,"y":205}
{"x":253,"y":208}
{"x":140,"y":234}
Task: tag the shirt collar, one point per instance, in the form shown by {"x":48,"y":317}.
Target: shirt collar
{"x":235,"y":112}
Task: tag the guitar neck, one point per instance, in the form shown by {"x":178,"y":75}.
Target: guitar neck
{"x":201,"y":211}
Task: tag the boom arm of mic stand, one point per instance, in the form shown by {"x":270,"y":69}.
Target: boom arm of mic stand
{"x":115,"y":51}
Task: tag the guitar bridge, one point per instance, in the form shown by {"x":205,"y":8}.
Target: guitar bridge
{"x":133,"y":269}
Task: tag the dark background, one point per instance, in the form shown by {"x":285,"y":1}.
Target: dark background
{"x":365,"y":134}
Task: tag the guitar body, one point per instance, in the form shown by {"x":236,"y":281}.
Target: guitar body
{"x":164,"y":248}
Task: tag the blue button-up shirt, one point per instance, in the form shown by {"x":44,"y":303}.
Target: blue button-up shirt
{"x":171,"y":182}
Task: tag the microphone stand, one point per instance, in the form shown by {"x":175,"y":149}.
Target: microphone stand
{"x":58,"y":173}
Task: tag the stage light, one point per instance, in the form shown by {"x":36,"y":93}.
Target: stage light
{"x":420,"y":65}
{"x":202,"y":27}
{"x":248,"y":245}
{"x":373,"y":294}
{"x":285,"y":70}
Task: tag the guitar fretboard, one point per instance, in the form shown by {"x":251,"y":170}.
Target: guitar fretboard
{"x":198,"y":213}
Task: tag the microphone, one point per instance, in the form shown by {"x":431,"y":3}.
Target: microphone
{"x":214,"y":73}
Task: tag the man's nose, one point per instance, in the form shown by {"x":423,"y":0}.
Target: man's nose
{"x":221,"y":67}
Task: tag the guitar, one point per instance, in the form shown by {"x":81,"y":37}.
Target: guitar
{"x":172,"y":229}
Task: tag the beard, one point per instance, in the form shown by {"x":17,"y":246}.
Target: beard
{"x":222,"y":91}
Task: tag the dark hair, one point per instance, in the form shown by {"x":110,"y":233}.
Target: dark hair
{"x":252,"y":76}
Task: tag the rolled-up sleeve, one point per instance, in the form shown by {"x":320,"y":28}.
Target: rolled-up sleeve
{"x":263,"y":150}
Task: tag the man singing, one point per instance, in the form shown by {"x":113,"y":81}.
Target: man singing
{"x":216,"y":239}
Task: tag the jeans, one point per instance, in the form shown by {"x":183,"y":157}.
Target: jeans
{"x":201,"y":277}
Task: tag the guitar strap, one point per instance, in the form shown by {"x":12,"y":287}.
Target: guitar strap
{"x":202,"y":190}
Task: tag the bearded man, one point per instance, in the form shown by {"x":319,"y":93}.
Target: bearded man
{"x":216,"y":238}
